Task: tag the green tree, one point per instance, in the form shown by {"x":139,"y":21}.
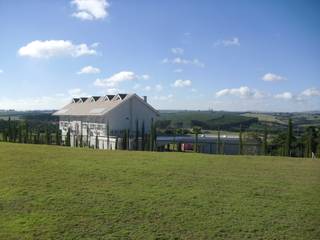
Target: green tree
{"x":9,"y":129}
{"x":196,"y":131}
{"x":47,"y":136}
{"x":289,"y":138}
{"x":108,"y":134}
{"x":68,"y":138}
{"x":265,"y":141}
{"x":240,"y":141}
{"x":151,"y":139}
{"x":58,"y":137}
{"x":97,"y":141}
{"x":142,"y":136}
{"x":219,"y":143}
{"x":137,"y":135}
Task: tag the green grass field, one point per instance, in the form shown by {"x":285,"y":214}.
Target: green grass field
{"x":49,"y":192}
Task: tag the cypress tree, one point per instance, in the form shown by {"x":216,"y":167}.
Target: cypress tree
{"x":68,"y":139}
{"x":108,"y":135}
{"x":14,"y":131}
{"x":137,"y":136}
{"x":240,"y":141}
{"x":38,"y":137}
{"x":151,"y":136}
{"x":142,"y":137}
{"x":20,"y":133}
{"x":9,"y":129}
{"x":196,"y":131}
{"x":58,"y":137}
{"x":265,"y":141}
{"x":81,"y":140}
{"x":97,"y":142}
{"x":155,"y":137}
{"x":128,"y":139}
{"x":27,"y":132}
{"x":218,"y":142}
{"x":47,"y":138}
{"x":289,"y":138}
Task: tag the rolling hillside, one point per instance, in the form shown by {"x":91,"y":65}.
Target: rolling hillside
{"x":49,"y":192}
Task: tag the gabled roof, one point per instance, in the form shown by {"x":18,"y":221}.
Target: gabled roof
{"x":95,"y":98}
{"x":99,"y":107}
{"x":108,"y":97}
{"x":75,"y":100}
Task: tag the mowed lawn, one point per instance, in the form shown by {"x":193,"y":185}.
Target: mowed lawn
{"x":49,"y":192}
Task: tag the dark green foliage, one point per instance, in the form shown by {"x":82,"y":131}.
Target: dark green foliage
{"x":47,"y":137}
{"x":265,"y":141}
{"x":108,"y":134}
{"x":136,"y":140}
{"x":196,"y":131}
{"x":143,"y":140}
{"x":68,"y":138}
{"x":219,"y":143}
{"x":289,"y":138}
{"x":97,"y":142}
{"x":240,"y":141}
{"x":58,"y":137}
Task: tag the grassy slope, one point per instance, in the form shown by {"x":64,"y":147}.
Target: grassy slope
{"x":63,"y":193}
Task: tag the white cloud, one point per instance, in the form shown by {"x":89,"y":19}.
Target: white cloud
{"x":77,"y":92}
{"x":1,"y":71}
{"x":271,"y":77}
{"x":158,"y":87}
{"x":182,"y":83}
{"x":119,"y":77}
{"x":178,"y":70}
{"x":177,"y":51}
{"x":90,"y":9}
{"x":89,"y":70}
{"x":243,"y":92}
{"x":147,"y":88}
{"x":163,"y":98}
{"x":285,"y":96}
{"x":311,"y":92}
{"x":39,"y":103}
{"x":228,"y":42}
{"x":144,"y":77}
{"x":178,"y":60}
{"x":54,"y":48}
{"x":113,"y":90}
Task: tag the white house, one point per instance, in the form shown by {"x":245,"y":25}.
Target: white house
{"x":99,"y":121}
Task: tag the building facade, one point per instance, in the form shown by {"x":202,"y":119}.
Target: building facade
{"x":100,"y":121}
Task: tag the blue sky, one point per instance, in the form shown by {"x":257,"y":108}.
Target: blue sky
{"x":231,"y":55}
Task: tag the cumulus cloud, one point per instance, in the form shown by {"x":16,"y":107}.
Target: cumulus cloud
{"x":183,"y":61}
{"x":144,"y":77}
{"x":90,"y":9}
{"x":311,"y":92}
{"x":243,"y":92}
{"x":89,"y":70}
{"x":158,"y":87}
{"x":284,"y":95}
{"x":118,"y":78}
{"x":271,"y":77}
{"x":178,"y":70}
{"x":177,"y":51}
{"x":182,"y":83}
{"x":77,"y":92}
{"x":228,"y":42}
{"x":163,"y":98}
{"x":54,"y":48}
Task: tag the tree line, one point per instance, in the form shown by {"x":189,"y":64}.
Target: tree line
{"x":286,"y":143}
